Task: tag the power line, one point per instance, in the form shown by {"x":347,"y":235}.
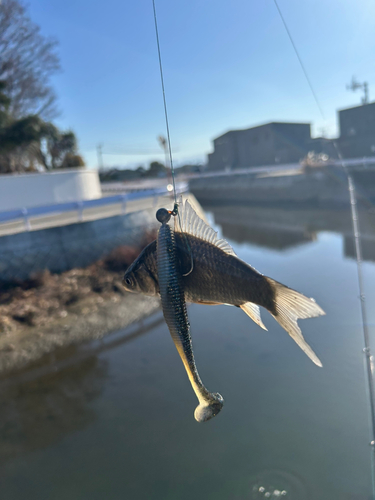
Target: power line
{"x":300,"y":61}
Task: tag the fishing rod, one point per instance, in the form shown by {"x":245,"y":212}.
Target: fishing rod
{"x":358,"y":254}
{"x":370,"y":366}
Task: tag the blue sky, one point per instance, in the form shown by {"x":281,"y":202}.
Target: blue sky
{"x":227,"y":64}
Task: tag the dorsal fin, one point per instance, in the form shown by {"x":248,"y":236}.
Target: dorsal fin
{"x":187,"y":221}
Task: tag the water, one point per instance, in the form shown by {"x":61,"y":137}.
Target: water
{"x":115,"y":420}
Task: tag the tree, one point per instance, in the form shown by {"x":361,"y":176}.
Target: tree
{"x":156,"y":169}
{"x":15,"y":135}
{"x":4,"y":105}
{"x":27,"y":61}
{"x":29,"y":143}
{"x":72,"y":160}
{"x":140,"y":171}
{"x":58,"y":149}
{"x":55,"y":145}
{"x":21,"y":132}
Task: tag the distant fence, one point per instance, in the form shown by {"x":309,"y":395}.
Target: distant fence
{"x":61,"y":248}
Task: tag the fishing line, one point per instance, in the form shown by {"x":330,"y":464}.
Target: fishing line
{"x":370,"y":367}
{"x":175,"y":211}
{"x":300,"y":60}
{"x":165,"y":103}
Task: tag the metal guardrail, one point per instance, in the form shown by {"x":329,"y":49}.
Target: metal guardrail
{"x":25,"y":213}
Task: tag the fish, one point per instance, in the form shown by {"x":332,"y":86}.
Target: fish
{"x":219,"y":276}
{"x":174,"y":309}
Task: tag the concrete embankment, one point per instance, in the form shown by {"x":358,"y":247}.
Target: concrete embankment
{"x":79,"y":296}
{"x":319,"y":185}
{"x":70,"y":246}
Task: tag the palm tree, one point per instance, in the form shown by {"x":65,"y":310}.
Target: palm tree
{"x":29,"y":143}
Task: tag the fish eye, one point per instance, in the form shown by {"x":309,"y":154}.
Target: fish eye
{"x":128,"y":281}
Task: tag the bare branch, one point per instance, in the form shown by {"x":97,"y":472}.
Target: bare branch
{"x":27,"y":61}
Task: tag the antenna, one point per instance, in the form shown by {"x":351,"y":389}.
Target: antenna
{"x":355,"y":85}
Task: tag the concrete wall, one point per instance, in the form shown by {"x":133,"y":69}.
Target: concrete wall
{"x":324,"y":186}
{"x":66,"y":247}
{"x":37,"y":189}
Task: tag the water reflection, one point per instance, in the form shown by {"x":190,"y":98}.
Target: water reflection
{"x":37,"y":413}
{"x":53,"y":397}
{"x":286,"y":227}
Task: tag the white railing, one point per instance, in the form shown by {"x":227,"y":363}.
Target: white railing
{"x":78,"y":206}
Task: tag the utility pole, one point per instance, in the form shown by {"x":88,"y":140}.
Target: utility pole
{"x":164,"y":144}
{"x":99,"y":148}
{"x":365,"y":89}
{"x":355,"y":85}
{"x":323,"y":131}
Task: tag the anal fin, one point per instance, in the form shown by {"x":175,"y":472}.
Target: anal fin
{"x":252,"y":310}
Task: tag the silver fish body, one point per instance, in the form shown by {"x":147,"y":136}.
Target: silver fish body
{"x":175,"y":314}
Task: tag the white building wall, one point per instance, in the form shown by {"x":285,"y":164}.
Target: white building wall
{"x":37,"y":189}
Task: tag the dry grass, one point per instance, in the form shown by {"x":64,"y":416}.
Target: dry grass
{"x":45,"y":296}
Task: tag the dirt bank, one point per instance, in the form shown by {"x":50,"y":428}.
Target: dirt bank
{"x":54,"y":310}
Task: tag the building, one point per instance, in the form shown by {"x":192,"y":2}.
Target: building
{"x":267,"y":144}
{"x":357,"y":131}
{"x":279,"y":142}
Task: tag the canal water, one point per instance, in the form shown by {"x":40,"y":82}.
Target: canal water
{"x":114,"y":420}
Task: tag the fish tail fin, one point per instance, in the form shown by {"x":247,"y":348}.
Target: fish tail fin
{"x":291,"y":306}
{"x":252,"y":310}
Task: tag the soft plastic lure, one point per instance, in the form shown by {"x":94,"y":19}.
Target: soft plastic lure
{"x":175,"y":314}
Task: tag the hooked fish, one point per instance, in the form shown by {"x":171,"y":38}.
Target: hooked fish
{"x":213,"y":274}
{"x":175,"y":314}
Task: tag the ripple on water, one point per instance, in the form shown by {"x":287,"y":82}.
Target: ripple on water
{"x":277,"y":484}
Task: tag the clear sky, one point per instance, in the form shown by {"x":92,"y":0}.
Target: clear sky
{"x":227,"y":64}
